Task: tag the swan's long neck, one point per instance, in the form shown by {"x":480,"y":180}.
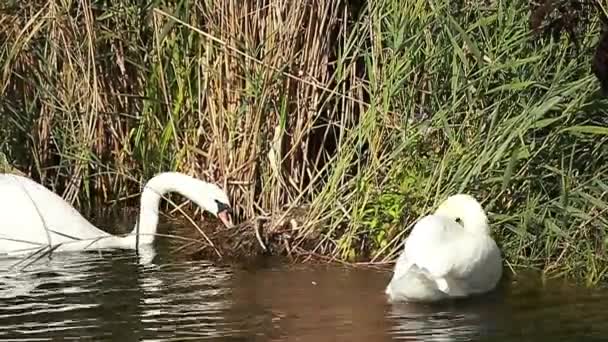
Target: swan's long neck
{"x":151,"y":196}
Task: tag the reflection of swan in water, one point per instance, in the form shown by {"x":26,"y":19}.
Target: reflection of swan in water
{"x":72,"y":294}
{"x":90,"y":294}
{"x":21,"y":276}
{"x":15,"y":281}
{"x":450,"y":321}
{"x":64,"y":273}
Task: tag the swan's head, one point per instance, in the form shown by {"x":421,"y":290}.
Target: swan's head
{"x":465,"y":210}
{"x":215,"y":200}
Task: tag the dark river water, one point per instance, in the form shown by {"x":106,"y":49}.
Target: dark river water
{"x":113,"y":296}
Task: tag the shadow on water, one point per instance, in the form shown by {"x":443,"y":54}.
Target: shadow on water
{"x":114,"y":296}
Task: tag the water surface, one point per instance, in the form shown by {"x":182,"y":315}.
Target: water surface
{"x":113,"y":296}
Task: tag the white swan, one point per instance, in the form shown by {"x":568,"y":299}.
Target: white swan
{"x":33,"y":217}
{"x":448,"y":254}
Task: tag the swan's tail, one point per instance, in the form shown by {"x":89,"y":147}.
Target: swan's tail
{"x":414,"y":285}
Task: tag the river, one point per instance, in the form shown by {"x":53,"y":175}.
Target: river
{"x":114,"y":296}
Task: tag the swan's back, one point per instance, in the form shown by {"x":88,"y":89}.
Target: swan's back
{"x":28,"y":207}
{"x":441,"y":259}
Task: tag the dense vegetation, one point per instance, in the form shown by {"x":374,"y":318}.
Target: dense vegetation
{"x":366,"y":114}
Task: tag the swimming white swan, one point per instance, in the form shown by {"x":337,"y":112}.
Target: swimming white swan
{"x":448,"y":254}
{"x":33,"y":217}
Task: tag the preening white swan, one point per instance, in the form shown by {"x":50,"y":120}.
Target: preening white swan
{"x":33,"y":217}
{"x":448,"y":254}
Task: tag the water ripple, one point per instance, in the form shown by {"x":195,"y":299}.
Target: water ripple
{"x":114,"y":296}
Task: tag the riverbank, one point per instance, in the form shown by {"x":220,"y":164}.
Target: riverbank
{"x":367,"y":115}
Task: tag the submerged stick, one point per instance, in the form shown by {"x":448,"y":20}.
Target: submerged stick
{"x":38,"y":250}
{"x":49,"y":252}
{"x":258,"y":236}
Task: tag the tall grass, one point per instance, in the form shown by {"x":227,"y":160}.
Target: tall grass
{"x":366,"y":113}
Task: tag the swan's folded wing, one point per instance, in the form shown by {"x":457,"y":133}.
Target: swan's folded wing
{"x":439,"y":246}
{"x":413,"y":284}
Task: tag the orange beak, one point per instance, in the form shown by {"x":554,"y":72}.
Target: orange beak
{"x":226,"y":218}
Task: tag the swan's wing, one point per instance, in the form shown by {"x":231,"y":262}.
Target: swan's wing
{"x":442,"y":248}
{"x":411,"y":281}
{"x":31,"y":215}
{"x":413,"y":284}
{"x":401,"y":266}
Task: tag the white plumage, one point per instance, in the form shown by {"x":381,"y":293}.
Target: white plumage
{"x":448,"y":254}
{"x":33,"y":217}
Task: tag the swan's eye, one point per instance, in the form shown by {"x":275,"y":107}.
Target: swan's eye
{"x":459,"y":221}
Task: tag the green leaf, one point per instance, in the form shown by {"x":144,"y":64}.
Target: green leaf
{"x":516,"y":86}
{"x":595,"y":130}
{"x":467,"y":39}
